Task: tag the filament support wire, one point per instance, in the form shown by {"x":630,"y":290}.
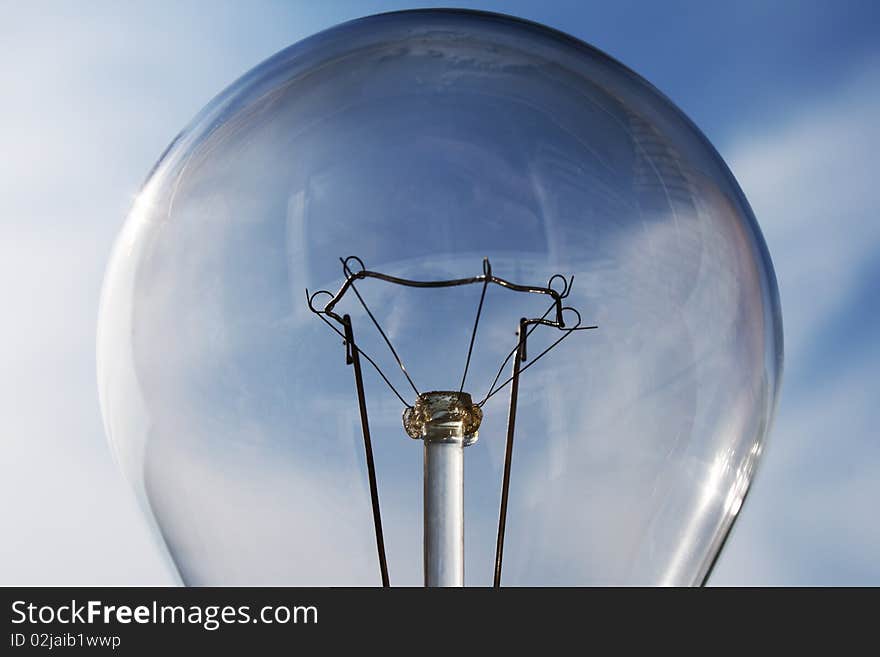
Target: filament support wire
{"x":519,"y":354}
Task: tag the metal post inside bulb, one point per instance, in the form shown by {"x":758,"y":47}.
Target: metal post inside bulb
{"x":447,"y":422}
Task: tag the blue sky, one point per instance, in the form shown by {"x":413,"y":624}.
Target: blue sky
{"x":788,"y":92}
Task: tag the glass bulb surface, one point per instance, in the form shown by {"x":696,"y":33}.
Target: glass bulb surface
{"x":421,"y":142}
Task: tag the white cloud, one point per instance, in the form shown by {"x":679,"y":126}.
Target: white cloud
{"x":812,"y":184}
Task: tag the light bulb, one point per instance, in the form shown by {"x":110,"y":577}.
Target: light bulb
{"x":422,"y":142}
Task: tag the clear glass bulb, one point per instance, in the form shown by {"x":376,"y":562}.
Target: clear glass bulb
{"x":421,"y":142}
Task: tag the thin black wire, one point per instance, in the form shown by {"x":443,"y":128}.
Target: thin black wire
{"x":510,"y":355}
{"x":365,"y":273}
{"x":400,"y":364}
{"x":368,"y":453}
{"x":508,"y":455}
{"x":369,"y":360}
{"x":519,"y":350}
{"x":538,"y":357}
{"x":467,"y":363}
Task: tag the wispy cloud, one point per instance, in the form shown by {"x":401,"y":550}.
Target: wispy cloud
{"x":812,"y":183}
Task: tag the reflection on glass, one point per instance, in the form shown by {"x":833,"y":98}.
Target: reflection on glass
{"x":422,"y":142}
